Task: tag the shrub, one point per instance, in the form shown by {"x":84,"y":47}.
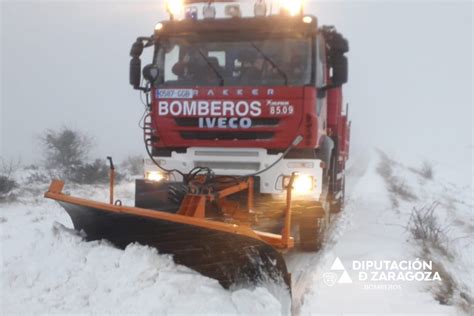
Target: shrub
{"x":425,"y":228}
{"x":89,"y":173}
{"x":66,"y":153}
{"x":432,"y":237}
{"x":401,"y":190}
{"x":38,"y":177}
{"x":426,"y":170}
{"x":65,"y":148}
{"x":134,"y":164}
{"x":7,"y":183}
{"x":396,"y":186}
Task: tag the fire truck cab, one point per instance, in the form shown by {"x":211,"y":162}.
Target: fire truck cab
{"x":257,"y":96}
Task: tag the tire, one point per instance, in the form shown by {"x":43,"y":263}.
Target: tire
{"x":313,"y":221}
{"x":311,"y":233}
{"x":336,"y":186}
{"x":337,"y":205}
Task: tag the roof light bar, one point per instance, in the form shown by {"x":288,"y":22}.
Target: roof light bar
{"x":174,"y":8}
{"x":291,"y":7}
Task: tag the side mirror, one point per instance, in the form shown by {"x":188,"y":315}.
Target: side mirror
{"x":136,"y":64}
{"x":151,"y":73}
{"x":135,"y":72}
{"x":340,"y":71}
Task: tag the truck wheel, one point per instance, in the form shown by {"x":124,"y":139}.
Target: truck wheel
{"x":337,"y":187}
{"x":311,"y":233}
{"x":311,"y":230}
{"x":337,"y":205}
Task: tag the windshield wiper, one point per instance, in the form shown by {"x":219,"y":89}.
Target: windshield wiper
{"x":211,"y":66}
{"x":280,"y":72}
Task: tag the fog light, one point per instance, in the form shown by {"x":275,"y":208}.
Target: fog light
{"x":302,"y":183}
{"x":155,"y":176}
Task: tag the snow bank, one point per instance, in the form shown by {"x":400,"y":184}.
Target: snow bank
{"x":49,"y":268}
{"x":373,"y":228}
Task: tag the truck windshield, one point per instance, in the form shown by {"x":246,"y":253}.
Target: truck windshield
{"x":271,"y":61}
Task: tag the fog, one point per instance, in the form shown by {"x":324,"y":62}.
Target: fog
{"x":66,"y":64}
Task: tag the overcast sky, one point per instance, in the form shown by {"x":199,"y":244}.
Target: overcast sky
{"x":66,"y":63}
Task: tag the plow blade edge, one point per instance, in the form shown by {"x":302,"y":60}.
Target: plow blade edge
{"x":231,"y":254}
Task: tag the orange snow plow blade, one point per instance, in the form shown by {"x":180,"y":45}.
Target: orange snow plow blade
{"x":229,"y":253}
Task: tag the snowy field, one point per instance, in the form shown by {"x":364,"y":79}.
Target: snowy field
{"x":48,"y":268}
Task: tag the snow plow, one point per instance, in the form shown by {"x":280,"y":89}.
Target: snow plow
{"x":246,"y":137}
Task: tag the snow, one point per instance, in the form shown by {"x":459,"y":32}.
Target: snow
{"x":48,"y":268}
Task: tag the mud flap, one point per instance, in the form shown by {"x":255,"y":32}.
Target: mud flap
{"x":232,"y":259}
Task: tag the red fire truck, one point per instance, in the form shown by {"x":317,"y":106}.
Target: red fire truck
{"x":247,"y":140}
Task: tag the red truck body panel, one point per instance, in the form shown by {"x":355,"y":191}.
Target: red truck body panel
{"x":262,"y":117}
{"x":338,"y":125}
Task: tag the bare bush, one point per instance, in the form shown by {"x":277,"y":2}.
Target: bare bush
{"x":38,"y":177}
{"x":426,"y":170}
{"x":385,"y":168}
{"x":134,"y":164}
{"x":432,"y":237}
{"x":65,"y":148}
{"x":7,"y":182}
{"x":89,"y":173}
{"x":6,"y":187}
{"x":401,"y":190}
{"x":449,"y":291}
{"x":66,"y":152}
{"x":397,"y":188}
{"x":426,"y":229}
{"x":445,"y":291}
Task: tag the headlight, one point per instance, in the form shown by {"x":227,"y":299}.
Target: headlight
{"x":155,"y":176}
{"x":302,"y":183}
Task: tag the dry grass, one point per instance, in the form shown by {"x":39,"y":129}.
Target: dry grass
{"x":432,"y":237}
{"x":397,"y":188}
{"x":134,"y":164}
{"x":426,"y":229}
{"x":7,"y":182}
{"x":426,"y":170}
{"x":66,"y":153}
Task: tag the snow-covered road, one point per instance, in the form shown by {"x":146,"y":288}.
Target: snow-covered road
{"x":47,"y":267}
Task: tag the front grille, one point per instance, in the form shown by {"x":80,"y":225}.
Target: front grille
{"x":227,"y":135}
{"x":226,"y":153}
{"x":256,"y":122}
{"x":228,"y":165}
